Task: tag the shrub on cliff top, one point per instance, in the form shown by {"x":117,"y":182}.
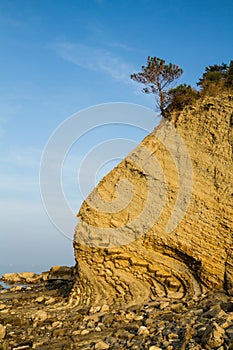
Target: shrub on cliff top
{"x":181,"y":96}
{"x":217,"y":77}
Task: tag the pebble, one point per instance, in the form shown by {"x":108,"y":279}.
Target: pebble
{"x":104,"y":308}
{"x":56,"y":324}
{"x":101,"y":345}
{"x":130,"y":316}
{"x":143,"y":331}
{"x":22,"y":346}
{"x":4,"y":311}
{"x":138,"y":318}
{"x":58,"y":332}
{"x":16,"y":288}
{"x":164,"y":304}
{"x":40,"y":299}
{"x":94,"y":309}
{"x":2,"y":331}
{"x":50,"y":301}
{"x":40,"y":316}
{"x":173,"y":336}
{"x":76,"y":332}
{"x":2,"y":306}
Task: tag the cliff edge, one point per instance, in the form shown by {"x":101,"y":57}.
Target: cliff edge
{"x":160,"y":223}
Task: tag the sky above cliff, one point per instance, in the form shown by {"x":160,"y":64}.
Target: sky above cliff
{"x":60,"y":57}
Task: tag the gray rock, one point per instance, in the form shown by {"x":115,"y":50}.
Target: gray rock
{"x":213,"y":312}
{"x":107,"y":319}
{"x":61,"y":272}
{"x":227,"y":307}
{"x":123,"y":334}
{"x":59,"y":332}
{"x":213,"y":336}
{"x":229,"y":332}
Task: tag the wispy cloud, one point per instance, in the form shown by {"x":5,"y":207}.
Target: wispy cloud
{"x":119,"y":45}
{"x":95,"y":59}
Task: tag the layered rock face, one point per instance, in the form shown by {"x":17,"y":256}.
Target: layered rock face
{"x":160,"y":223}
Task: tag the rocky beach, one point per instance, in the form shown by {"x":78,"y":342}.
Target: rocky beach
{"x":36,"y":314}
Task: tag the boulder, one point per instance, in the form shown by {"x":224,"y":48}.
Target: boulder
{"x":11,"y":278}
{"x":213,"y":336}
{"x":61,"y":273}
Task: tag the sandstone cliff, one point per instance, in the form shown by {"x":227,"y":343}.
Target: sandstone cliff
{"x":160,"y":223}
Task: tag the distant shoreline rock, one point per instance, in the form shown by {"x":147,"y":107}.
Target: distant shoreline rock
{"x":57,"y":275}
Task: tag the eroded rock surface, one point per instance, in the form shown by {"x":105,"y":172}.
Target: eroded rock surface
{"x":160,"y":223}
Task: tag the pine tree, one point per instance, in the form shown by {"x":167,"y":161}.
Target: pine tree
{"x":158,"y":76}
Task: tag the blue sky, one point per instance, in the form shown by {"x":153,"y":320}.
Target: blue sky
{"x":60,"y":57}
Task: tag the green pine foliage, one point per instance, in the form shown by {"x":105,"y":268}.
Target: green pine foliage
{"x":216,"y":77}
{"x":157,"y":76}
{"x":181,"y":96}
{"x":213,"y":75}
